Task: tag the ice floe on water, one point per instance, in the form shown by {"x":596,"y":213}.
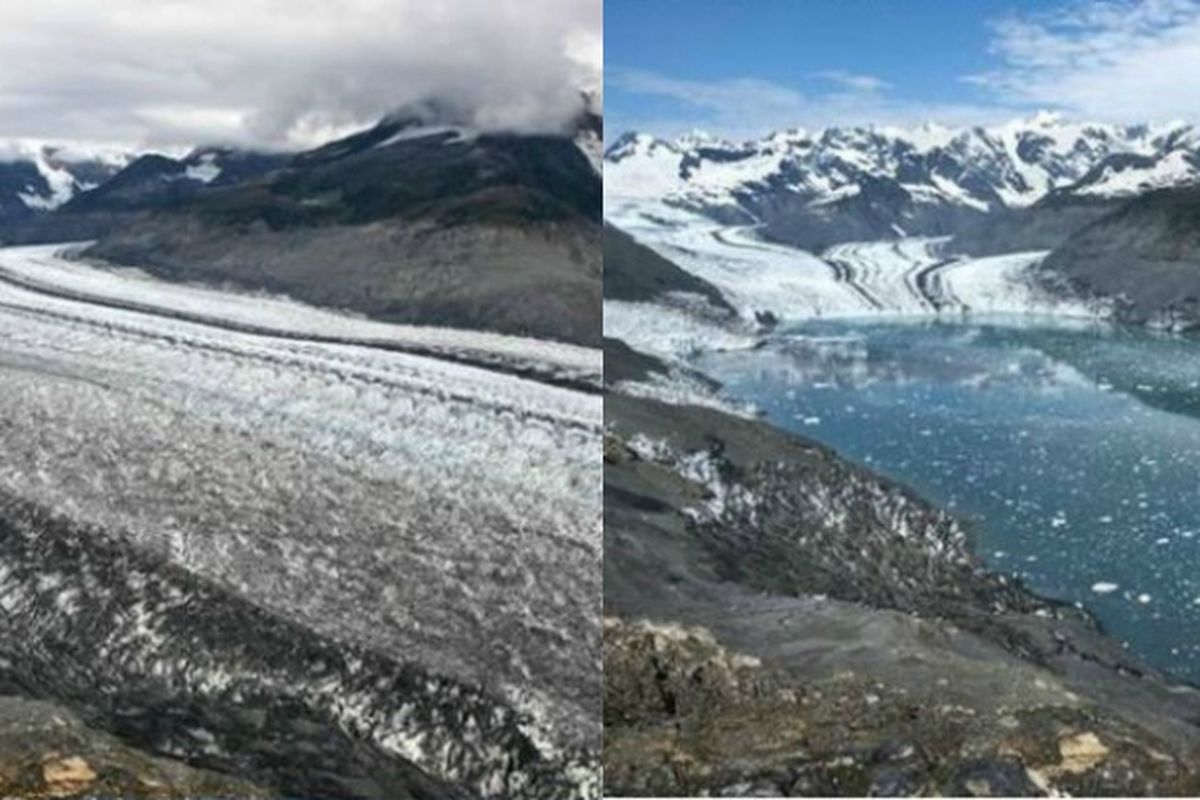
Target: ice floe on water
{"x":1074,"y":446}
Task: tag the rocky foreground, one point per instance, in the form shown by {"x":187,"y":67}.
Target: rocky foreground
{"x":47,"y":751}
{"x":779,"y":622}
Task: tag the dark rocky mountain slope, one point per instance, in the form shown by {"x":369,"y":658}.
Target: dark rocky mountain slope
{"x":1042,"y":226}
{"x":155,"y":180}
{"x":1145,"y":256}
{"x":411,"y":221}
{"x":38,"y":179}
{"x":150,"y":181}
{"x":633,"y":271}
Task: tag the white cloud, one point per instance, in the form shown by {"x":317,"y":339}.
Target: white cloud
{"x":854,"y":82}
{"x":282,"y":72}
{"x":728,"y":106}
{"x":743,"y":108}
{"x":1120,"y":60}
{"x":1104,"y":60}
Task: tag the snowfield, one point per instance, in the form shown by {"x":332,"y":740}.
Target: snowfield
{"x":1010,"y":165}
{"x":440,"y":510}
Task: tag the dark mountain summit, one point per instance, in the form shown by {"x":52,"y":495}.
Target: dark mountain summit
{"x":418,"y":220}
{"x":421,"y":218}
{"x":154,"y":180}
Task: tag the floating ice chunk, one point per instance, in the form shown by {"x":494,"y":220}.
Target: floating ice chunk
{"x":1104,"y":587}
{"x":1143,"y":598}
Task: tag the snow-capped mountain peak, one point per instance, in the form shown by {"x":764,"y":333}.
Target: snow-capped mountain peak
{"x":38,"y":176}
{"x":918,"y":176}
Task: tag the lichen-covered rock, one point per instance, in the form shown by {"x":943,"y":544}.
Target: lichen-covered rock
{"x":48,"y":752}
{"x":686,"y":716}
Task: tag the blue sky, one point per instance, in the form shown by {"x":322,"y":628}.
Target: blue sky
{"x":744,"y":67}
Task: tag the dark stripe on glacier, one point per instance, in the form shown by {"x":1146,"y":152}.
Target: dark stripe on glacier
{"x":179,"y":665}
{"x":561,"y":377}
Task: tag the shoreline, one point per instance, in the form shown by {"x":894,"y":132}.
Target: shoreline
{"x":1033,"y":321}
{"x":1052,"y":637}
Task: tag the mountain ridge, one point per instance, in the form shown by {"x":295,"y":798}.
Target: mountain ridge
{"x":815,"y":189}
{"x":417,"y":219}
{"x":420,"y":218}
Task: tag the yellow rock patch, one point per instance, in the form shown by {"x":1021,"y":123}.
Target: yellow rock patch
{"x":1080,"y":753}
{"x":67,"y":776}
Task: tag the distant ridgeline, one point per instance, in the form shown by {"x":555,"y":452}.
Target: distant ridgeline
{"x":418,"y":219}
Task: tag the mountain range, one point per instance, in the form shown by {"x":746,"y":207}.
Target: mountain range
{"x":1111,"y":201}
{"x":418,"y":219}
{"x":813,"y":189}
{"x":36,"y":177}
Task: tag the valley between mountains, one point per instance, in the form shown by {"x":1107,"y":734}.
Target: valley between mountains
{"x":872,"y":393}
{"x":277,"y":523}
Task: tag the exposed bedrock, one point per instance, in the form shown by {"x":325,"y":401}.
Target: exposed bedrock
{"x":48,"y":751}
{"x":784,"y":623}
{"x":1145,"y":255}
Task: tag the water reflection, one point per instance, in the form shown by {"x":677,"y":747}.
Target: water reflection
{"x":1075,"y":449}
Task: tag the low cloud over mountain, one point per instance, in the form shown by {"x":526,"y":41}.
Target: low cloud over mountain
{"x":266,"y":73}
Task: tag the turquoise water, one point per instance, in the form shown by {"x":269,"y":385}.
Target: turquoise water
{"x":1073,"y":451}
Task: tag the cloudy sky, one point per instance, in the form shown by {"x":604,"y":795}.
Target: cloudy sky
{"x":284,"y":73}
{"x":744,"y":67}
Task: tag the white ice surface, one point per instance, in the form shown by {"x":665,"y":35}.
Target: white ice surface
{"x":206,"y":171}
{"x":670,"y":331}
{"x":753,"y":275}
{"x":290,"y":470}
{"x":896,"y":277}
{"x":45,"y":266}
{"x":453,"y":133}
{"x":1173,"y":169}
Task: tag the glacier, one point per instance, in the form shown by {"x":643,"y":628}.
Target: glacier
{"x":441,"y":511}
